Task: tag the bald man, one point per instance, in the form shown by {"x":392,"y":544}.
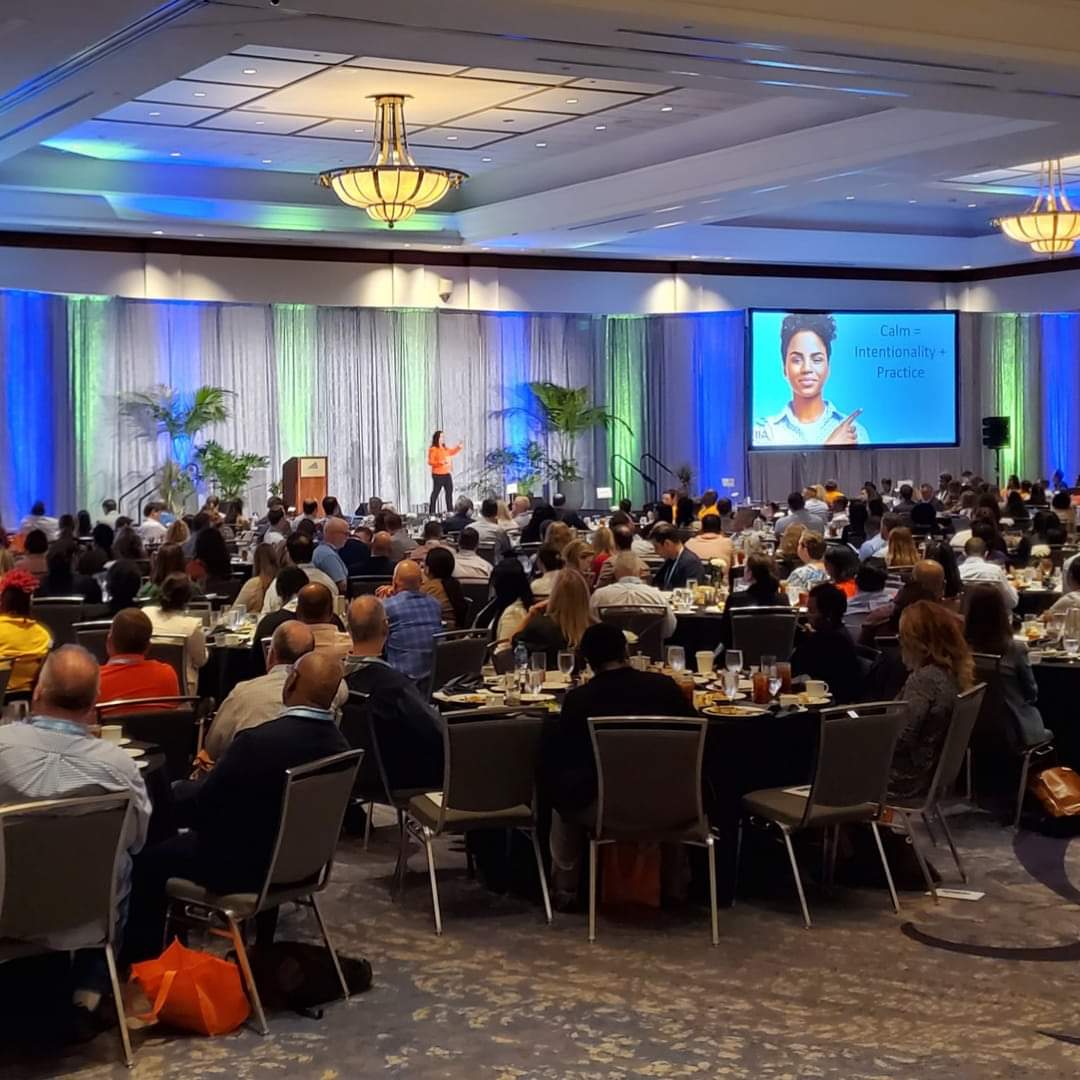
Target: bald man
{"x":315,"y":608}
{"x":56,"y":755}
{"x":327,"y":557}
{"x":235,"y":812}
{"x":414,"y":619}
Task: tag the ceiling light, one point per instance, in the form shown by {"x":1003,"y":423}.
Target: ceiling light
{"x":695,"y":256}
{"x":250,"y":71}
{"x":728,"y":258}
{"x":966,"y":266}
{"x":541,"y":145}
{"x":666,"y":209}
{"x":666,"y":108}
{"x":1050,"y":225}
{"x":267,"y":161}
{"x":159,"y":232}
{"x":600,"y":127}
{"x":199,"y":93}
{"x":155,"y":113}
{"x":669,"y":224}
{"x":391,"y":186}
{"x":486,"y":159}
{"x":912,"y":202}
{"x":971,"y":205}
{"x":200,"y":234}
{"x":451,"y":138}
{"x":571,"y":101}
{"x":175,"y":153}
{"x":259,"y":123}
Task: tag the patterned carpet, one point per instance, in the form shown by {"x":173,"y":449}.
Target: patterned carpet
{"x":864,"y":995}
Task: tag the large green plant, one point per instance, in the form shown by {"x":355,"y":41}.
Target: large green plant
{"x":563,"y":414}
{"x":524,"y":466}
{"x":227,"y":470}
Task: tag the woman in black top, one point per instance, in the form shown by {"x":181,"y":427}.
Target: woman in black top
{"x":942,"y":553}
{"x":94,"y":559}
{"x":763,"y":591}
{"x":825,"y":650}
{"x":212,"y":552}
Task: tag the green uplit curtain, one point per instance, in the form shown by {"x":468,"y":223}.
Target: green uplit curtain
{"x":1015,"y":391}
{"x":88,"y":328}
{"x":624,"y":357}
{"x":296,"y":349}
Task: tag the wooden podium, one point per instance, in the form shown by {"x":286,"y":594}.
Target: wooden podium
{"x":303,"y":478}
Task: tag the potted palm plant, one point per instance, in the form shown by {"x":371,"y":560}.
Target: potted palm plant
{"x":228,"y":471}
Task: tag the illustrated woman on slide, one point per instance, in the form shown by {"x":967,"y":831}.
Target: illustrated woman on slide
{"x":438,"y":458}
{"x":808,"y":419}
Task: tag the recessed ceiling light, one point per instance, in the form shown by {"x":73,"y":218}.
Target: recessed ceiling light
{"x":911,"y":202}
{"x":849,"y":197}
{"x":541,"y":144}
{"x":359,"y":131}
{"x":971,"y":205}
{"x":695,"y":256}
{"x":155,"y":113}
{"x":200,"y":234}
{"x":259,"y":123}
{"x":669,"y":224}
{"x":666,"y":108}
{"x":267,"y":161}
{"x":199,"y":93}
{"x":728,"y":258}
{"x":600,"y":127}
{"x":966,"y":266}
{"x":250,"y":71}
{"x":175,"y":153}
{"x":571,"y":101}
{"x":451,"y":138}
{"x":486,"y":159}
{"x":667,"y":209}
{"x":159,"y":232}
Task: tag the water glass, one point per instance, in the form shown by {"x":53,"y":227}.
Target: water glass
{"x":536,"y":680}
{"x":676,"y":658}
{"x":1071,"y":645}
{"x":538,"y":662}
{"x":768,"y":663}
{"x":704,"y":660}
{"x":731,"y":684}
{"x":733,"y":660}
{"x":566,"y":663}
{"x":775,"y":682}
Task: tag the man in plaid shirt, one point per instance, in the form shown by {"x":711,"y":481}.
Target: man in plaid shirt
{"x":414,"y":619}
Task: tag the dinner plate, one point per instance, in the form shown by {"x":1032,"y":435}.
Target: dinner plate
{"x":133,"y":751}
{"x":144,"y":764}
{"x":530,"y":699}
{"x":463,"y":699}
{"x":739,"y":696}
{"x":734,"y":710}
{"x":816,"y":701}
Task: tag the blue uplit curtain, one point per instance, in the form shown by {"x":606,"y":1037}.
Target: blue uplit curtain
{"x":36,"y":440}
{"x":1061,"y":394}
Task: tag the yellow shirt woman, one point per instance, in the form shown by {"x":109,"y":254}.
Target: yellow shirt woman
{"x":29,"y":641}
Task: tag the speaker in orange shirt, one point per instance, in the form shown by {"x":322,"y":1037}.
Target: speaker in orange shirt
{"x":438,"y":456}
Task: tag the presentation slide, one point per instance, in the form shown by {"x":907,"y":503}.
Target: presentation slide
{"x":852,"y":379}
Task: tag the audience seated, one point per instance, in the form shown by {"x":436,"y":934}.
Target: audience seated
{"x":811,"y":552}
{"x":169,"y":617}
{"x":55,"y":755}
{"x":1070,"y":598}
{"x":628,"y":590}
{"x":433,"y":538}
{"x":409,"y":730}
{"x":901,"y":550}
{"x":22,"y":638}
{"x":33,"y":559}
{"x":875,"y":545}
{"x":60,"y":580}
{"x":468,"y":565}
{"x":300,"y":551}
{"x":549,"y":561}
{"x":414,"y":619}
{"x":798,"y":515}
{"x":513,"y":599}
{"x":168,"y":559}
{"x":258,"y":700}
{"x":616,"y":689}
{"x":762,"y":590}
{"x":381,"y":562}
{"x":401,"y":543}
{"x":489,"y":531}
{"x":441,"y":585}
{"x":623,"y":536}
{"x":842,"y":565}
{"x":289,"y":581}
{"x":824,"y":650}
{"x":977,"y":568}
{"x":559,"y":622}
{"x":327,"y":555}
{"x":315,"y":609}
{"x":211,"y":569}
{"x":940,"y":667}
{"x":680,"y":564}
{"x":234,"y":811}
{"x":711,"y":543}
{"x":129,"y":674}
{"x":462,"y":516}
{"x":265,"y":565}
{"x":93,"y":560}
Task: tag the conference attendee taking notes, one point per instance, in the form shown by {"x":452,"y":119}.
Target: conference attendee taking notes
{"x":809,"y":419}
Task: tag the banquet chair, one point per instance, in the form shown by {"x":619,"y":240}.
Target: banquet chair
{"x":851,"y":778}
{"x":484,"y":617}
{"x":763,"y":631}
{"x":58,"y":871}
{"x":173,"y":724}
{"x":366,"y":584}
{"x":666,"y":809}
{"x":478,"y":795}
{"x":313,"y":804}
{"x":61,"y":613}
{"x":645,"y":622}
{"x":949,"y":763}
{"x":455,"y":653}
{"x":5,"y":677}
{"x":476,"y":592}
{"x":486,"y":552}
{"x":997,"y":729}
{"x":92,"y":637}
{"x":171,"y":649}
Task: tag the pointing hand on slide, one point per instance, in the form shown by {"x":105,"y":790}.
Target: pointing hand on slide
{"x":844,"y":433}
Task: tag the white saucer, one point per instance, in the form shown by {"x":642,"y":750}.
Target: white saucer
{"x":133,"y":751}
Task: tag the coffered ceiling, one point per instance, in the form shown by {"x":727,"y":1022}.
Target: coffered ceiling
{"x":763,"y":130}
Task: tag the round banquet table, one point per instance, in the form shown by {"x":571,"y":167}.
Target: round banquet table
{"x":1033,"y":602}
{"x":1059,"y":692}
{"x":156,"y":778}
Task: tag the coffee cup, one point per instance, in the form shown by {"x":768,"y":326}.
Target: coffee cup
{"x":815,"y":688}
{"x":704,"y":660}
{"x":639,"y":662}
{"x":112,"y":733}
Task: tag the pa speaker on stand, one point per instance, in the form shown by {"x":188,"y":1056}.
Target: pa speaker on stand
{"x":996,"y":436}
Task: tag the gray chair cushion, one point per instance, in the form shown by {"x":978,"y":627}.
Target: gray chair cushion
{"x":425,"y":809}
{"x":241,"y":904}
{"x":778,"y":805}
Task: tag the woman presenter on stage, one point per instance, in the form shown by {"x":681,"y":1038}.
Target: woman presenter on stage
{"x":438,"y":457}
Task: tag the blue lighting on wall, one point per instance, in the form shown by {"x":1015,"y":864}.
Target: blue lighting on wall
{"x":1060,"y":379}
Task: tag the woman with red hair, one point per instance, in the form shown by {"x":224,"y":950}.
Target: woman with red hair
{"x":23,"y":640}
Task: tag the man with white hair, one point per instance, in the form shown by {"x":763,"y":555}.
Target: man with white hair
{"x":628,"y":590}
{"x":521,"y":511}
{"x":326,"y":556}
{"x":54,"y":756}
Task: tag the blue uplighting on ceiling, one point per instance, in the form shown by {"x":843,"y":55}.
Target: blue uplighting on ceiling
{"x":837,"y":89}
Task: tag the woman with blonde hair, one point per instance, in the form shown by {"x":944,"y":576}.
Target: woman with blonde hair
{"x":787,"y":551}
{"x":265,"y":566}
{"x":177,"y":532}
{"x":557,"y":535}
{"x":939,"y":661}
{"x":901,"y":550}
{"x":577,"y":555}
{"x":559,"y":622}
{"x":603,"y":547}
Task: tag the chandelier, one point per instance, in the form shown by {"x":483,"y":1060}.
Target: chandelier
{"x":1050,"y":225}
{"x":391,"y":186}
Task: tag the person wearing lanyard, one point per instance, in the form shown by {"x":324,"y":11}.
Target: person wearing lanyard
{"x":680,"y":563}
{"x":438,"y":456}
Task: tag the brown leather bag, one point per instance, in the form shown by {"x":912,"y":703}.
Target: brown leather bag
{"x":1058,"y":789}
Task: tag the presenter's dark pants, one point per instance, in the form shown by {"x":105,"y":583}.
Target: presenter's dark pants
{"x":441,"y":483}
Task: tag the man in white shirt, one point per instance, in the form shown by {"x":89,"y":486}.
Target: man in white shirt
{"x":814,"y":505}
{"x":54,"y":756}
{"x":38,"y":519}
{"x":300,"y":550}
{"x":151,"y":530}
{"x":468,"y":565}
{"x":628,"y":590}
{"x":489,"y":530}
{"x":108,"y":514}
{"x":310,"y":513}
{"x":877,"y":544}
{"x":976,"y":569}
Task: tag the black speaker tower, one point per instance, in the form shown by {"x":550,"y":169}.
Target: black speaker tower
{"x":996,"y":436}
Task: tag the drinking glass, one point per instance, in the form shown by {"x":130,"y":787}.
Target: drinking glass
{"x":676,"y":658}
{"x":775,"y":682}
{"x":733,"y":660}
{"x":768,"y":663}
{"x":536,"y":680}
{"x":566,"y":663}
{"x":1071,"y":644}
{"x":731,"y":684}
{"x":538,"y":662}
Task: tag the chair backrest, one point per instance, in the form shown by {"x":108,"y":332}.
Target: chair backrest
{"x":477,"y":592}
{"x":961,"y":725}
{"x":61,"y":613}
{"x":58,"y":866}
{"x":486,"y":552}
{"x":313,"y":807}
{"x":484,"y":617}
{"x":763,"y":631}
{"x":457,"y":652}
{"x":372,"y":782}
{"x":490,"y":762}
{"x":264,"y":644}
{"x":649,"y":775}
{"x":366,"y":584}
{"x":173,"y":724}
{"x":5,"y":677}
{"x":854,"y":756}
{"x":171,"y":649}
{"x":92,"y":637}
{"x":645,"y":622}
{"x":996,"y":727}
